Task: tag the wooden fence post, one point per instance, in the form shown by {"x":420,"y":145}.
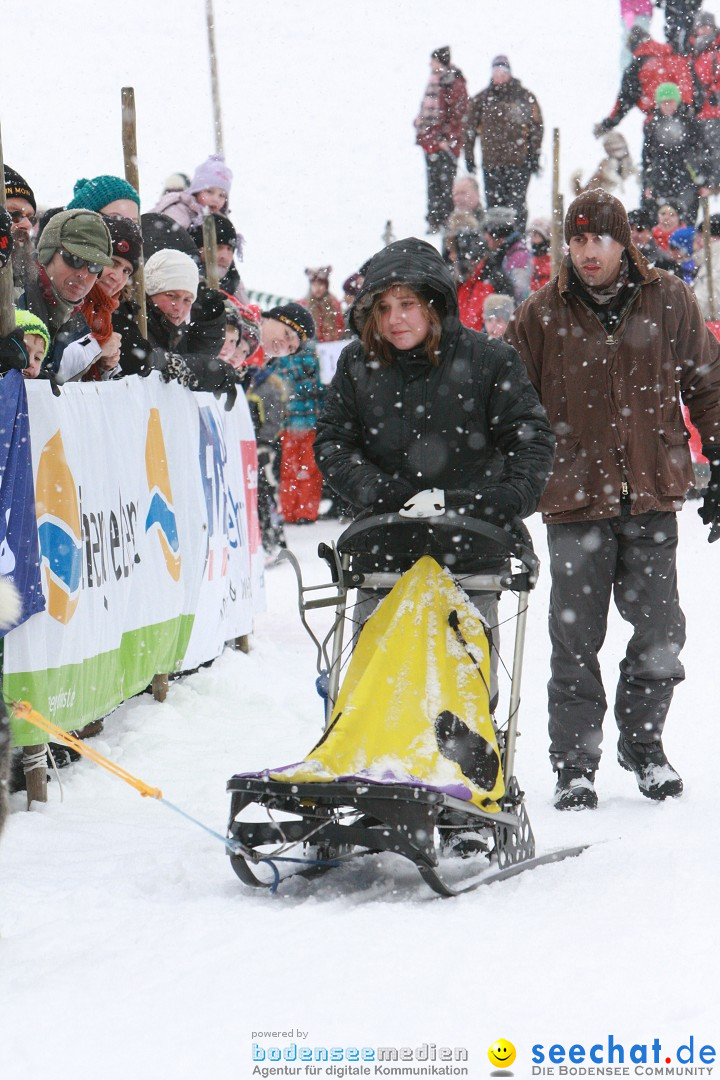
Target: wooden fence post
{"x":214,"y":81}
{"x":556,"y":240}
{"x":707,"y":250}
{"x":132,"y":175}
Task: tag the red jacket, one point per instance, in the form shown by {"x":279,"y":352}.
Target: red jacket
{"x":653,"y":63}
{"x":706,"y":66}
{"x":452,"y":116}
{"x":471,"y":297}
{"x":541,"y":271}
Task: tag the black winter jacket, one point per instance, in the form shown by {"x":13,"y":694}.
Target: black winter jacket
{"x":470,"y":423}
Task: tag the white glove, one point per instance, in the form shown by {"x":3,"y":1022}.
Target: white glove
{"x":426,"y":504}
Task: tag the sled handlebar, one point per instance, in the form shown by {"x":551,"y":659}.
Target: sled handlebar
{"x":444,"y":534}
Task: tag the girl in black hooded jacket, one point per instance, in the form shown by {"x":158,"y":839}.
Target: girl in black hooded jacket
{"x":421,"y":402}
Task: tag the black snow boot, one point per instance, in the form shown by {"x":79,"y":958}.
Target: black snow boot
{"x":655,"y":775}
{"x":575,"y":790}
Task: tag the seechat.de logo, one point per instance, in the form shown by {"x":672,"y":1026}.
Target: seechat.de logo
{"x":161,"y":514}
{"x":59,"y":533}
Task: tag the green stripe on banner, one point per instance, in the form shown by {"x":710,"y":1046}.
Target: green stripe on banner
{"x":75,"y":694}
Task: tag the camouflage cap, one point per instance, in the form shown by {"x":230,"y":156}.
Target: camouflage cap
{"x":79,"y":232}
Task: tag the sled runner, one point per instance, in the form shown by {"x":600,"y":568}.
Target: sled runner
{"x":412,"y":761}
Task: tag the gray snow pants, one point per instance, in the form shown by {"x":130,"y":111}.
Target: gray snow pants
{"x":633,"y":559}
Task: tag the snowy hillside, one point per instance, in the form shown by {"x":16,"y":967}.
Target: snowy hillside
{"x":127,"y":946}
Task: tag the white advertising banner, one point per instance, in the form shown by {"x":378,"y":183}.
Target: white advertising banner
{"x":149,"y":543}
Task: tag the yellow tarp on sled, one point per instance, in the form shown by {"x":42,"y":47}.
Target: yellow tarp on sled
{"x":414,"y":705}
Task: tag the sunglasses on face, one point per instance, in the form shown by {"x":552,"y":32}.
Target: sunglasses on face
{"x":77,"y":263}
{"x":22,"y":215}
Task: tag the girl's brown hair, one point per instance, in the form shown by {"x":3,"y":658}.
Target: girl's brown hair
{"x":376,"y":345}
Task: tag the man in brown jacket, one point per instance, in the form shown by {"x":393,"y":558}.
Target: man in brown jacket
{"x":507,"y":119}
{"x":613,"y":348}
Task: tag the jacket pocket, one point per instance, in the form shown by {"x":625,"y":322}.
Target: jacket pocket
{"x":567,"y":488}
{"x":674,"y":472}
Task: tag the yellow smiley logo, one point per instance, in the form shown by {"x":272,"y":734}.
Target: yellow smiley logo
{"x":502,"y":1053}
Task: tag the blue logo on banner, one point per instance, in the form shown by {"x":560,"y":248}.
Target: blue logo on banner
{"x":19,"y":553}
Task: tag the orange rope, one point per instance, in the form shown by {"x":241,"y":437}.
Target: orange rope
{"x":23,"y":710}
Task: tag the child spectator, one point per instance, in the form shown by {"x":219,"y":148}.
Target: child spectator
{"x":674,"y":155}
{"x":465,"y":253}
{"x":209,"y":192}
{"x":668,"y":220}
{"x":36,"y":340}
{"x":229,"y":244}
{"x":300,"y":479}
{"x":497,"y":312}
{"x":682,"y":242}
{"x":323,"y":306}
{"x":539,"y":236}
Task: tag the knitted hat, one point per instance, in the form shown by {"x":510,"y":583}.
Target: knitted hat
{"x":17,"y":188}
{"x":499,"y":221}
{"x":668,"y":91}
{"x":100,"y":192}
{"x":442,"y":55}
{"x":352,"y":285}
{"x":319,"y":273}
{"x":79,"y":232}
{"x":225,"y":232}
{"x":167,"y":270}
{"x":177,"y":181}
{"x":682,"y":239}
{"x":248,"y":317}
{"x":597,"y":211}
{"x":296,"y":317}
{"x":705,"y":19}
{"x":541,"y":225}
{"x":501,"y":61}
{"x":30,"y":323}
{"x":125,"y":237}
{"x":212,"y":173}
{"x":498,"y":305}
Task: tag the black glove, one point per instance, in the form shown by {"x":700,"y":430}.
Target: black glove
{"x":153,"y":360}
{"x":227,"y":383}
{"x":6,"y":240}
{"x":498,"y":505}
{"x":392,"y":495}
{"x":602,"y":128}
{"x":710,"y":510}
{"x":13,"y":353}
{"x":210,"y":305}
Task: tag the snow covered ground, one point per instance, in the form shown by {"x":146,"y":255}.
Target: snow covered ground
{"x":127,"y":945}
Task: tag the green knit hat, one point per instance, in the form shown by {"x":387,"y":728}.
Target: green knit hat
{"x":100,"y":192}
{"x":668,"y":91}
{"x":25,"y":320}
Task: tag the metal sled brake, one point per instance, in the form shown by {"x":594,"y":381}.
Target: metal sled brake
{"x":355,"y":794}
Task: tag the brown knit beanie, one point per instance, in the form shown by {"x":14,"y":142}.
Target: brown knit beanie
{"x":598,"y":212}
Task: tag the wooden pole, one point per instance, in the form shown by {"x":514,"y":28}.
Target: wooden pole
{"x":129,"y":141}
{"x":388,"y":235}
{"x":212,"y":273}
{"x":707,"y":249}
{"x":159,"y":687}
{"x":7,"y":314}
{"x":557,"y":208}
{"x":36,"y":779}
{"x":214,"y":82}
